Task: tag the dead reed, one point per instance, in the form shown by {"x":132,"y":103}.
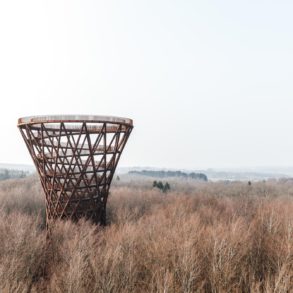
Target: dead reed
{"x":200,"y":237}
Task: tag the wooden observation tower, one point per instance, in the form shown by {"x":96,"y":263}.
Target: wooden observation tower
{"x":76,"y":157}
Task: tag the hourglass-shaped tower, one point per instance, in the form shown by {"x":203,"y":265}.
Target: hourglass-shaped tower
{"x":76,"y":157}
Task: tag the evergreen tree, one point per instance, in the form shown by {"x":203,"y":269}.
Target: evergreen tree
{"x":160,"y":185}
{"x":166,"y":187}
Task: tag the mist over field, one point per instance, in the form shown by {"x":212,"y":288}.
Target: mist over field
{"x":214,"y":174}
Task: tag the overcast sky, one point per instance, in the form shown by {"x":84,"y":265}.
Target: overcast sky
{"x":207,"y":83}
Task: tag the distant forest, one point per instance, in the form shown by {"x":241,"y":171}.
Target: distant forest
{"x":9,"y":174}
{"x":165,"y":174}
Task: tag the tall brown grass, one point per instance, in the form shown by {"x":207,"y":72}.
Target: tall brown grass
{"x":200,"y":237}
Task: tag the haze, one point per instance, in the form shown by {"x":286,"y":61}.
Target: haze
{"x":207,"y":83}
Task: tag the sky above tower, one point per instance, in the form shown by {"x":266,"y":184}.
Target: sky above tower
{"x":207,"y":83}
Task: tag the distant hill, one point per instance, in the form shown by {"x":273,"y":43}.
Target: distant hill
{"x":168,"y":174}
{"x":219,"y":174}
{"x":253,"y":174}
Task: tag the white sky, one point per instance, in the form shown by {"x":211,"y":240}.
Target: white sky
{"x":207,"y":83}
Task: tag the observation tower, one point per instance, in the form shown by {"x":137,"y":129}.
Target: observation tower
{"x":76,"y":157}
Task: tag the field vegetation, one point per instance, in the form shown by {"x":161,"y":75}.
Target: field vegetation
{"x":197,"y":237}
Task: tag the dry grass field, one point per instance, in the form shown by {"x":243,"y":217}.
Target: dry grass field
{"x":199,"y":237}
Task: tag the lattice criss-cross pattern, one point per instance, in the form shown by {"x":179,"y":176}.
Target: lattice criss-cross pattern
{"x":76,"y":164}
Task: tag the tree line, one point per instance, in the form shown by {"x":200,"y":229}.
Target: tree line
{"x":9,"y":174}
{"x":167,"y":174}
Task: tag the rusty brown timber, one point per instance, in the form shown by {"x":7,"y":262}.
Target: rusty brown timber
{"x":76,"y":157}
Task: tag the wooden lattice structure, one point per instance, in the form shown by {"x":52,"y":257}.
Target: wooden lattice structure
{"x":76,"y":157}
